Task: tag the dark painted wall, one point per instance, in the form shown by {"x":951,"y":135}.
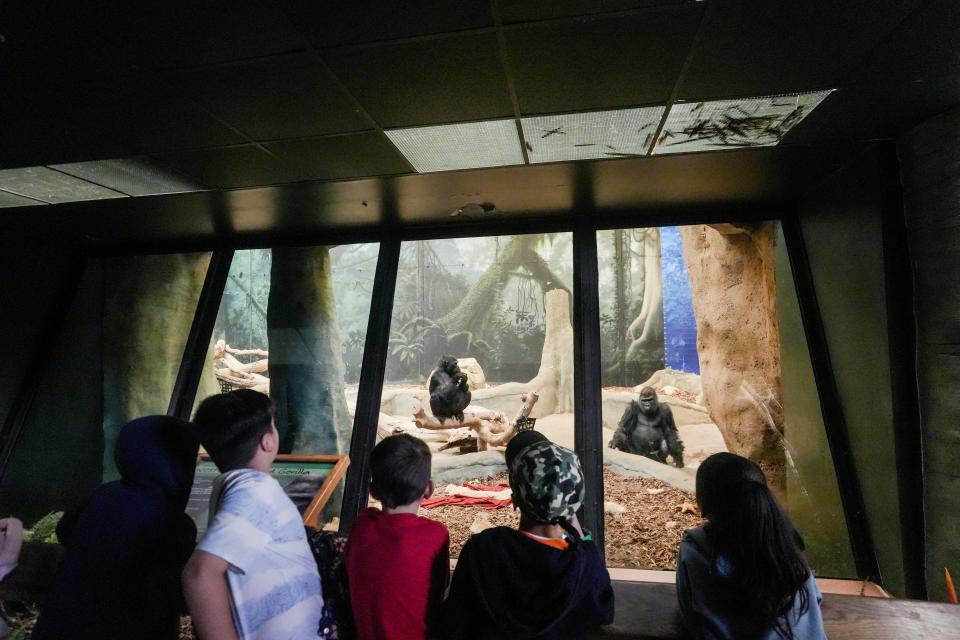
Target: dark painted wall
{"x":842,"y":221}
{"x":56,"y":462}
{"x":930,"y":166}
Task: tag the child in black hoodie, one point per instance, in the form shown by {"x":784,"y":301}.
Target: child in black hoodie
{"x":544,"y":581}
{"x":126,"y":547}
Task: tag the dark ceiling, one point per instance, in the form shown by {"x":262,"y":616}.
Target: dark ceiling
{"x":233,"y":94}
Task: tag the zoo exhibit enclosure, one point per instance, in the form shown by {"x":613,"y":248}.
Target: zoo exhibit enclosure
{"x":502,"y":306}
{"x":344,"y":338}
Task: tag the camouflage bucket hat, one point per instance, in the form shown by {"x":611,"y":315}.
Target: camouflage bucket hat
{"x":547,"y":482}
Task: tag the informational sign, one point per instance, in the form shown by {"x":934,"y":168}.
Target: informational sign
{"x":309,"y":480}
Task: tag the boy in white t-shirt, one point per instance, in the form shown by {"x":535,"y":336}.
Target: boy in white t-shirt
{"x":252,"y":576}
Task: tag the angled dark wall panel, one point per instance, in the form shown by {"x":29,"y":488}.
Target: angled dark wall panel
{"x":842,"y":222}
{"x":930,"y":172}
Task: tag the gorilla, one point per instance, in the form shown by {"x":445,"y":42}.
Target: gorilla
{"x":449,"y":393}
{"x":647,"y":429}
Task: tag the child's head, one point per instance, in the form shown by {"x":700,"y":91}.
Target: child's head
{"x":546,"y":479}
{"x":236,"y":427}
{"x":720,"y":480}
{"x":400,"y":470}
{"x":748,"y":527}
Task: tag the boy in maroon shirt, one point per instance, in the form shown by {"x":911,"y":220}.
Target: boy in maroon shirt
{"x":398,"y":564}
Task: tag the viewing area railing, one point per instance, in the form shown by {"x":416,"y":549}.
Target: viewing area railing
{"x":646,"y":604}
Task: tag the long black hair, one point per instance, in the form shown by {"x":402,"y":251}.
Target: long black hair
{"x":747,"y":527}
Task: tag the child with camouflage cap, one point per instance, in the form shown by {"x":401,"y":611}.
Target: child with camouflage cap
{"x":545,"y":580}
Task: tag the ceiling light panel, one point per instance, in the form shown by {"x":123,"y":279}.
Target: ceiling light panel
{"x":47,"y":185}
{"x":8,"y":199}
{"x":459,"y":146}
{"x":737,"y":123}
{"x":132,"y":176}
{"x":582,"y":136}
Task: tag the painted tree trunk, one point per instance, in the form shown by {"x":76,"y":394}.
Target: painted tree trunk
{"x":473,"y":314}
{"x":306,"y":359}
{"x":149,"y":306}
{"x":645,"y":355}
{"x":738,"y":338}
{"x":554,"y":380}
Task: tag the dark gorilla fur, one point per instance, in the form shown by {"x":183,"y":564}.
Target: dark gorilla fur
{"x":650,"y":433}
{"x":449,"y":394}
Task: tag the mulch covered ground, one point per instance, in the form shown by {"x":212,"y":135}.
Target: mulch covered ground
{"x":645,"y":535}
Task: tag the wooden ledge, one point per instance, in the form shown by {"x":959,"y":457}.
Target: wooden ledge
{"x":648,"y":610}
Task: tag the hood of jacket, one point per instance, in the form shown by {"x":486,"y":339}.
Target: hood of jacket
{"x":158,"y":452}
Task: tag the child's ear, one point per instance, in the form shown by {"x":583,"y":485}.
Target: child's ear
{"x":429,"y":490}
{"x":270,"y":441}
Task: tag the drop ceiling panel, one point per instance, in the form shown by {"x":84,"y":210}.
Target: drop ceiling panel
{"x":754,"y":47}
{"x":600,"y":64}
{"x":278,"y":97}
{"x":330,"y":24}
{"x":229,"y":167}
{"x":725,"y":124}
{"x":8,"y":199}
{"x":871,"y":111}
{"x":459,"y":146}
{"x":47,"y":185}
{"x":600,"y":134}
{"x":452,"y":79}
{"x":347,"y":156}
{"x":926,"y":45}
{"x":186,"y":33}
{"x":532,"y":10}
{"x":132,"y":176}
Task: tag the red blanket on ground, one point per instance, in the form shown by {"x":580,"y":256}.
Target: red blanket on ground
{"x":470,"y":501}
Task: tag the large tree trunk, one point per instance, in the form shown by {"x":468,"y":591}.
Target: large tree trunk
{"x":738,"y":337}
{"x":474,"y":311}
{"x":645,"y":355}
{"x":554,"y":381}
{"x":306,"y":359}
{"x":148,"y":309}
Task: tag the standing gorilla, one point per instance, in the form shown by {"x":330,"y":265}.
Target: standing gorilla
{"x":647,"y":429}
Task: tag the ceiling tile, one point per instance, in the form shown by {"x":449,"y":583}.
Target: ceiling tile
{"x":278,"y":97}
{"x":452,"y":79}
{"x":229,"y":167}
{"x":8,"y":199}
{"x":335,"y":23}
{"x":926,"y":45}
{"x":531,"y":10}
{"x":872,"y":111}
{"x":459,"y":146}
{"x":754,"y":47}
{"x":347,"y":156}
{"x":132,"y":176}
{"x":47,"y":185}
{"x":185,"y":33}
{"x":604,"y":63}
{"x":597,"y":134}
{"x":145,"y":115}
{"x":726,"y":124}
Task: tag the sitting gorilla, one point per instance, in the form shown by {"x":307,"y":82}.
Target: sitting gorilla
{"x":647,"y":429}
{"x":449,"y":393}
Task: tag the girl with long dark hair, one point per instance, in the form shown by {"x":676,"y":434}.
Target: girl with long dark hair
{"x":743,"y":575}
